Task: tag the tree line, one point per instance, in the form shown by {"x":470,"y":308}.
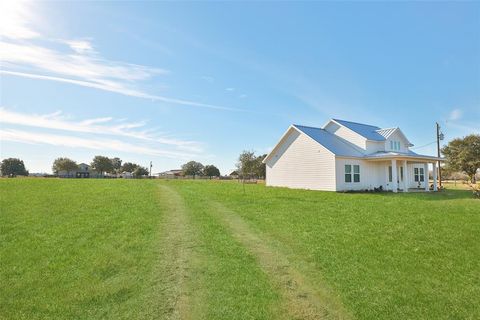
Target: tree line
{"x":248,"y":166}
{"x":462,"y":156}
{"x":194,"y":168}
{"x":102,"y":165}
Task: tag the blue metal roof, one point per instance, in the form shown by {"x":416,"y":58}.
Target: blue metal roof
{"x":365,"y":130}
{"x":330,"y":141}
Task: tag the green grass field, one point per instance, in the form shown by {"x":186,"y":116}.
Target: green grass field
{"x":150,"y":249}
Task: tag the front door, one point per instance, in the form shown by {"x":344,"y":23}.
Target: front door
{"x":419,"y":177}
{"x":399,"y":176}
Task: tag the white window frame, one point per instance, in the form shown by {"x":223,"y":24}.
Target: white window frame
{"x":349,"y":174}
{"x":418,"y":174}
{"x":355,"y":174}
{"x":395,"y":145}
{"x":352,"y":174}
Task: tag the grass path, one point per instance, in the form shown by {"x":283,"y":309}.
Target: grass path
{"x":300,"y":300}
{"x":172,"y":274}
{"x":298,"y":296}
{"x":230,"y":283}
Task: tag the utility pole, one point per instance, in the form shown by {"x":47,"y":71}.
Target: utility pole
{"x":439,"y":137}
{"x":150,"y":175}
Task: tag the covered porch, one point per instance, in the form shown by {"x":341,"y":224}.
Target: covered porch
{"x":407,"y":172}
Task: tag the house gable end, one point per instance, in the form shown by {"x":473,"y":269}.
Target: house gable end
{"x":285,"y":140}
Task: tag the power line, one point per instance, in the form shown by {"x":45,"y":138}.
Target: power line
{"x":425,"y":145}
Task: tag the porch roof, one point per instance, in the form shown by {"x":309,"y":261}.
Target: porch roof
{"x":401,"y":156}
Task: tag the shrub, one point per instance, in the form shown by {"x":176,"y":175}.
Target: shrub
{"x":476,"y":190}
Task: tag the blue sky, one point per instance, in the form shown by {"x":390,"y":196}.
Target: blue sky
{"x":172,"y":82}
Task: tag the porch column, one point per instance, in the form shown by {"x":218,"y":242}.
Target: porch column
{"x":394,"y":176}
{"x":435,"y":176}
{"x":425,"y":176}
{"x":405,"y":176}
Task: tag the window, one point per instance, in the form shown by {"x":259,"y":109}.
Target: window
{"x":421,"y":175}
{"x":390,"y":174}
{"x":418,"y":174}
{"x":356,"y":173}
{"x":401,"y":173}
{"x":395,"y":145}
{"x":348,"y":173}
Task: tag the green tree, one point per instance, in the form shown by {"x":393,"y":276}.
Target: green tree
{"x":192,"y":168}
{"x":260,"y":167}
{"x":117,"y":164}
{"x":211,"y":171}
{"x":129,"y":167}
{"x":463,"y":154}
{"x":64,"y":164}
{"x":102,"y":164}
{"x":140,"y":172}
{"x":13,"y":167}
{"x":249,"y":165}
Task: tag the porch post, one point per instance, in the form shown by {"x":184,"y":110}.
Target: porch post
{"x":405,"y":176}
{"x":394,"y":175}
{"x":434,"y":176}
{"x":425,"y":176}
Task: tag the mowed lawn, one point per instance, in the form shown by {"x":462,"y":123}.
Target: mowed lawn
{"x":150,"y":249}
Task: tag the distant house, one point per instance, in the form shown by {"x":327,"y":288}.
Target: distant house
{"x":126,"y":175}
{"x":170,"y":174}
{"x":83,"y":171}
{"x":344,"y":155}
{"x":234,"y":174}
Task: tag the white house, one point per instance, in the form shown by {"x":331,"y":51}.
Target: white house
{"x":344,"y":155}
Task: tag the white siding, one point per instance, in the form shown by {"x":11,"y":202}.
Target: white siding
{"x":375,"y":146}
{"x":396,"y":136}
{"x":348,"y":135}
{"x":372,"y":174}
{"x":300,"y":162}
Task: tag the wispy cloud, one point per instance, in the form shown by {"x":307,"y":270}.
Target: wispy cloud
{"x":14,"y":23}
{"x":69,"y":141}
{"x":456,"y":114}
{"x":119,"y":88}
{"x":230,"y":89}
{"x":28,"y":53}
{"x":99,"y":127}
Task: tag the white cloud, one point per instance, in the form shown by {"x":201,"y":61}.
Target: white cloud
{"x":15,"y":16}
{"x":119,"y":88}
{"x":87,"y":67}
{"x":77,"y":62}
{"x":85,"y":143}
{"x":97,"y":126}
{"x":230,"y":89}
{"x":456,"y":114}
{"x":81,"y":46}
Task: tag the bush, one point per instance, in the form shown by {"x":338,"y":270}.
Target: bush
{"x":476,"y":190}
